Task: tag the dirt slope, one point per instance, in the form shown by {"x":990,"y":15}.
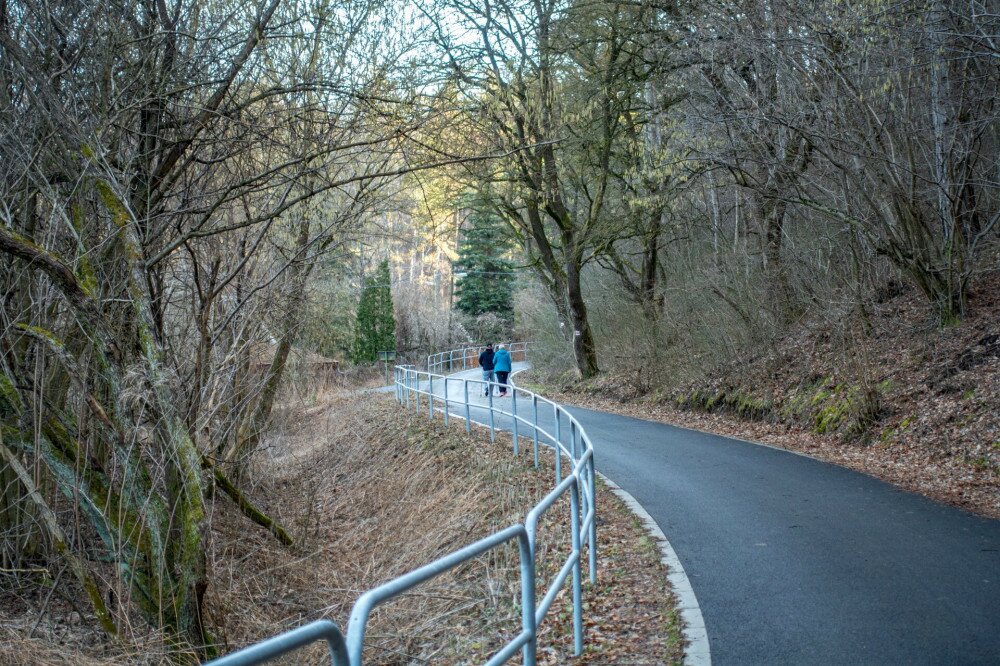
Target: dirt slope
{"x":890,"y":394}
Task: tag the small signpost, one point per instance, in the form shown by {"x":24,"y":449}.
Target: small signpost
{"x":385,"y":357}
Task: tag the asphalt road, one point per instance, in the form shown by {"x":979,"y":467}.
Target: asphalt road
{"x":796,"y":561}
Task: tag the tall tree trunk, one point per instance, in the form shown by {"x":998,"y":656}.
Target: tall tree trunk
{"x":249,"y":439}
{"x":584,"y":349}
{"x":774,"y":265}
{"x":651,"y":300}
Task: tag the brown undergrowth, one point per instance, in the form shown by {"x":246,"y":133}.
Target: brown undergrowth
{"x":368,"y":492}
{"x":890,"y":394}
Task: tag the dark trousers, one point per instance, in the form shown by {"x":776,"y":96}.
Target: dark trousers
{"x":502,"y":380}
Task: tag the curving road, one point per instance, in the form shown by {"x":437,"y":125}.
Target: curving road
{"x":796,"y":561}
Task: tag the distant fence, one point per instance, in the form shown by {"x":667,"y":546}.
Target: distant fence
{"x":546,"y":423}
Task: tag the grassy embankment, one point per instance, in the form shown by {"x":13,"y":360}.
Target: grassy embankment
{"x":369,"y":492}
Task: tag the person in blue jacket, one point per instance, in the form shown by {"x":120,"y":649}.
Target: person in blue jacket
{"x":486,"y":365}
{"x":501,"y":366}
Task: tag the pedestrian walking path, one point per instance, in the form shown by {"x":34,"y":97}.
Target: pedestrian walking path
{"x":796,"y":561}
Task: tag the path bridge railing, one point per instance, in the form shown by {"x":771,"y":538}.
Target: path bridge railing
{"x":523,"y":413}
{"x":467,"y":358}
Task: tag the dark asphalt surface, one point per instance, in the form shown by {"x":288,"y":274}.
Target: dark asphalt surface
{"x":796,"y":561}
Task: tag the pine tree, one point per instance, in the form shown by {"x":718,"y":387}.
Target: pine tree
{"x":488,"y":282}
{"x":375,"y":327}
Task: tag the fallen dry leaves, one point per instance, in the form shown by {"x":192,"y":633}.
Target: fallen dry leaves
{"x":937,"y":429}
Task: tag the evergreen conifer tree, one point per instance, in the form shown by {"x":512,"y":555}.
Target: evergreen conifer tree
{"x":375,"y":327}
{"x":488,"y":280}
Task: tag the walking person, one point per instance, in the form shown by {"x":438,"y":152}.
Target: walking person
{"x":501,"y":366}
{"x":486,"y":365}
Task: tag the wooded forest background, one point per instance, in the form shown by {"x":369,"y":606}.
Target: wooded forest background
{"x":192,"y":189}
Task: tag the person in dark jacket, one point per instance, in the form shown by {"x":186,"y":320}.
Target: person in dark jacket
{"x":486,"y":364}
{"x":501,"y":366}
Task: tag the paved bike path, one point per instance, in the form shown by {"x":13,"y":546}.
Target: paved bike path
{"x":796,"y":561}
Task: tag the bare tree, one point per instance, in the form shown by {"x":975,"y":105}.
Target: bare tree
{"x":156,"y":160}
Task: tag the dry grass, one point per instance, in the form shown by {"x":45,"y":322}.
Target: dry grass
{"x":370,"y":492}
{"x":368,"y":495}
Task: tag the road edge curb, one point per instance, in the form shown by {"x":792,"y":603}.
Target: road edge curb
{"x":698,"y":650}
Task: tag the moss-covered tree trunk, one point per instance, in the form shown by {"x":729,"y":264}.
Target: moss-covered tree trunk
{"x":161,"y":535}
{"x":248,"y":438}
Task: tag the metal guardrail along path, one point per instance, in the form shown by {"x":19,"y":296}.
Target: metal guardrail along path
{"x":547,"y":423}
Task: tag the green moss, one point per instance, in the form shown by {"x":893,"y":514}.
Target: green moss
{"x":905,"y":423}
{"x":969,"y":394}
{"x":86,"y":277}
{"x":24,"y":240}
{"x":10,"y":400}
{"x":819,"y":397}
{"x":829,"y":418}
{"x":716,"y":399}
{"x":44,"y":333}
{"x":119,"y":213}
{"x":85,"y":270}
{"x":743,"y":404}
{"x":7,"y":391}
{"x":750,"y":406}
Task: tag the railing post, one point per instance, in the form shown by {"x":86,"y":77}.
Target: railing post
{"x":534,"y":423}
{"x":430,"y":396}
{"x":592,"y":546}
{"x":572,"y":441}
{"x":406,"y":386}
{"x":489,"y":385}
{"x":528,"y":601}
{"x":446,"y":402}
{"x":468,"y":412}
{"x":415,"y":389}
{"x":577,"y":592}
{"x":513,"y":409}
{"x":555,"y":411}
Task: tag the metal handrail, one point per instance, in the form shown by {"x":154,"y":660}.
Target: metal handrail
{"x":526,"y":639}
{"x":282,"y":644}
{"x":579,"y":483}
{"x":412,"y":384}
{"x":468,"y":357}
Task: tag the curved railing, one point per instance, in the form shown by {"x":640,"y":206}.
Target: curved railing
{"x":467,"y":358}
{"x":450,"y":396}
